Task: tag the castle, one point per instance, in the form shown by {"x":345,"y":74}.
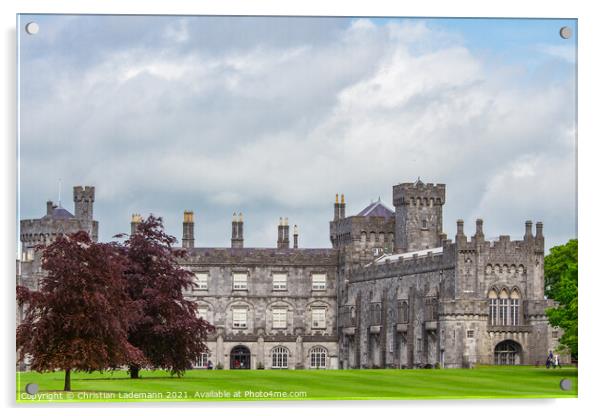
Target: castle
{"x":392,"y":292}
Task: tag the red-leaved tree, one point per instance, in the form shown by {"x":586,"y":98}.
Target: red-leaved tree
{"x":168,"y":332}
{"x":79,"y":318}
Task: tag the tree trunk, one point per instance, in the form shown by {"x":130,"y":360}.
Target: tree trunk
{"x":67,"y":380}
{"x":134,"y":371}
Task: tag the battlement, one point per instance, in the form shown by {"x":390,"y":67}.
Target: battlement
{"x":406,"y":264}
{"x":418,"y":193}
{"x":83,"y":193}
{"x":503,"y":243}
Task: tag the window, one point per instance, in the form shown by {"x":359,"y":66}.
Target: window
{"x":492,"y":307}
{"x":555,"y":334}
{"x":402,"y":317}
{"x":279,"y":281}
{"x":347,"y":314}
{"x":470,"y":333}
{"x":375,"y":313}
{"x":239,"y":317}
{"x":279,"y":318}
{"x":503,"y":308}
{"x":318,"y":282}
{"x":239,"y":281}
{"x":201,"y":281}
{"x":202,"y":361}
{"x":424,"y":225}
{"x":514,"y":308}
{"x":280,"y":357}
{"x":317,"y":357}
{"x":202,"y":312}
{"x":318,"y":318}
{"x":431,"y":309}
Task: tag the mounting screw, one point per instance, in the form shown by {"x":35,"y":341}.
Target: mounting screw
{"x":565,"y":32}
{"x":32,"y":28}
{"x":31,"y":388}
{"x":565,"y":384}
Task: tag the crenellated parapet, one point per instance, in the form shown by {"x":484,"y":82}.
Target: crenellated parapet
{"x":398,"y":266}
{"x":418,"y":194}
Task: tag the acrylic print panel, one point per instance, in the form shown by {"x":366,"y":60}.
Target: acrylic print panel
{"x":225,"y":151}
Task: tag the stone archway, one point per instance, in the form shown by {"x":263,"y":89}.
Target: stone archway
{"x":507,"y":353}
{"x":240,"y":358}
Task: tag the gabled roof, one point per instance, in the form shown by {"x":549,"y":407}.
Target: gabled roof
{"x":376,"y":209}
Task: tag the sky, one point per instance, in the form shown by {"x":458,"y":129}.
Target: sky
{"x":272,"y":116}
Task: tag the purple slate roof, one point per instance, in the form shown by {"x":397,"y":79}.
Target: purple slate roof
{"x":60,"y":213}
{"x":376,"y":209}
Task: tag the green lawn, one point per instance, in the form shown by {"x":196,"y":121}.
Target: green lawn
{"x":199,"y":385}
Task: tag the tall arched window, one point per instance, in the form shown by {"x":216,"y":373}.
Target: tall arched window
{"x":279,"y":357}
{"x":492,"y":307}
{"x":514,"y":308}
{"x":503,"y":308}
{"x":317,"y":357}
{"x":403,"y":312}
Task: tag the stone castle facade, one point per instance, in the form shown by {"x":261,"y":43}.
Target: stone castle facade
{"x":392,"y":292}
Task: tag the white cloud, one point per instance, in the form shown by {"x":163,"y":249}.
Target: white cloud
{"x":282,"y":128}
{"x":563,"y":52}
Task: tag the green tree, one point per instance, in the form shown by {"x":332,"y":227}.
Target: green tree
{"x":561,"y":276}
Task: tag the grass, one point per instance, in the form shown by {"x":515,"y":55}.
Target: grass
{"x":484,"y":382}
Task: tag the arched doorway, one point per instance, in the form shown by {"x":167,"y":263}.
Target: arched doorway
{"x":507,"y":353}
{"x":240,"y":358}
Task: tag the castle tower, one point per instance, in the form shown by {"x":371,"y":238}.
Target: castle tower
{"x":283,"y":234}
{"x":237,"y":231}
{"x":188,"y":230}
{"x":83,"y":197}
{"x":418,"y":215}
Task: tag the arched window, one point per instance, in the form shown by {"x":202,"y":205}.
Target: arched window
{"x":503,"y":308}
{"x":492,"y":307}
{"x":279,"y":357}
{"x":515,"y":308}
{"x":431,"y":308}
{"x":317,"y":357}
{"x":403,"y":312}
{"x":375,"y":313}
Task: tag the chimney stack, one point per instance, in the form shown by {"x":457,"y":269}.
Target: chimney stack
{"x":136,"y":220}
{"x":283,"y":234}
{"x":479,"y":234}
{"x":539,"y":230}
{"x":188,"y":230}
{"x":460,"y":231}
{"x":49,"y":207}
{"x":528,"y":230}
{"x":295,"y":236}
{"x":237,"y":231}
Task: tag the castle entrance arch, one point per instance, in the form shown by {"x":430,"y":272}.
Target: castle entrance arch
{"x":240,"y":358}
{"x":507,"y":353}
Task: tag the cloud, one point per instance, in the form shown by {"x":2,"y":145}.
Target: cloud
{"x":276,"y":124}
{"x":565,"y":53}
